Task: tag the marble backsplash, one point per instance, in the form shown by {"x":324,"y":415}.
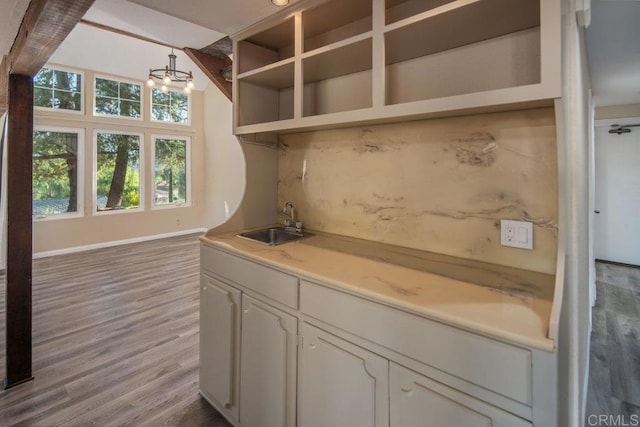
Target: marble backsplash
{"x":437,"y":185}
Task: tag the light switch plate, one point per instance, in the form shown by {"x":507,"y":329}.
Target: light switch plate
{"x":517,"y":234}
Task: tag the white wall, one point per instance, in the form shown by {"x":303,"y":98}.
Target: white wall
{"x":240,"y":178}
{"x":224,"y":172}
{"x":573,"y":159}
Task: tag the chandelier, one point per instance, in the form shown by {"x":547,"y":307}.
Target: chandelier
{"x":169,"y":74}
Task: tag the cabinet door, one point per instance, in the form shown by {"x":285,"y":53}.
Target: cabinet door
{"x":340,"y":383}
{"x":417,"y":401}
{"x":219,"y":344}
{"x":268,"y":367}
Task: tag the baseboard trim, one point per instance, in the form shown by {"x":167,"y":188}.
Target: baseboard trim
{"x":84,"y":248}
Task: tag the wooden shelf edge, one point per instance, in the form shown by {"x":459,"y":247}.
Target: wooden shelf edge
{"x":266,"y":68}
{"x":337,"y":45}
{"x":475,"y":103}
{"x":429,"y":14}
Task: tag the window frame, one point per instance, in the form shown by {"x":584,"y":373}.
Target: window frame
{"x":80,"y":184}
{"x":94,"y":174}
{"x":119,"y":80}
{"x":170,"y":89}
{"x":82,"y":90}
{"x":187,"y":140}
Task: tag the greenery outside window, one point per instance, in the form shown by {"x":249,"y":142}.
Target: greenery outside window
{"x":57,"y":89}
{"x":57,"y":172}
{"x":171,"y":176}
{"x":117,"y":98}
{"x":171,"y":106}
{"x":118,"y":181}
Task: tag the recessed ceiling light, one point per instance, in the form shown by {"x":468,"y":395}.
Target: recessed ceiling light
{"x":280,"y":2}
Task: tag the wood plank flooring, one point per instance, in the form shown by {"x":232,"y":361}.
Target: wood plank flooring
{"x":614,"y":379}
{"x":115,"y":340}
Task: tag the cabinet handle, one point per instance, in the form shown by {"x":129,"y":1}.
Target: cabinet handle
{"x":227,"y":405}
{"x":597,"y":211}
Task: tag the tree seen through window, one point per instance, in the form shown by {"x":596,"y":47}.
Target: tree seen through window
{"x":117,"y":98}
{"x":170,"y":171}
{"x":171,"y":106}
{"x":55,"y":173}
{"x":57,"y":89}
{"x":117,"y":171}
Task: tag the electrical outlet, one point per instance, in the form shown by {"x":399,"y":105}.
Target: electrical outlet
{"x":517,"y":234}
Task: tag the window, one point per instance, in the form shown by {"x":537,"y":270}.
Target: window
{"x":57,"y":89}
{"x":117,"y":98}
{"x":57,"y":176}
{"x":171,"y":106}
{"x":117,"y":172}
{"x":171,"y":171}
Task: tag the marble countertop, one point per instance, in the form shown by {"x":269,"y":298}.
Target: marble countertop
{"x":510,"y":304}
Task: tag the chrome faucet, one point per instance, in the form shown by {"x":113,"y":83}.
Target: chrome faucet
{"x":291,"y":213}
{"x":290,"y":222}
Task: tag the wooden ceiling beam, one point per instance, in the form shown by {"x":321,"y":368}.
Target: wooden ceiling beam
{"x":45,"y":25}
{"x":212,"y":67}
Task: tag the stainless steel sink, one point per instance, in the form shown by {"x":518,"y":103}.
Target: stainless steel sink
{"x":273,"y":236}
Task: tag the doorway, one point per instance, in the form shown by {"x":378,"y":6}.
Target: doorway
{"x":617,"y":193}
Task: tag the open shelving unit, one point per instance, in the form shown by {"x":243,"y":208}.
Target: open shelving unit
{"x":338,"y":79}
{"x":324,"y":63}
{"x":459,"y":56}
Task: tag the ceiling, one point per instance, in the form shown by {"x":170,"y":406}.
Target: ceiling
{"x":10,"y":19}
{"x":612,"y":39}
{"x":613,"y":49}
{"x":187,"y":23}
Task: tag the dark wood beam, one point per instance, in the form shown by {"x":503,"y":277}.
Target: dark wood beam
{"x":45,"y":25}
{"x":212,"y":67}
{"x":19,"y":230}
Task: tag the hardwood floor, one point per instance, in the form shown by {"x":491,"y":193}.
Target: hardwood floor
{"x":115,"y":340}
{"x":614,"y":380}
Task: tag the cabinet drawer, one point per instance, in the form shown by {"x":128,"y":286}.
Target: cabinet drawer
{"x":496,"y":366}
{"x":415,"y":398}
{"x":266,"y":281}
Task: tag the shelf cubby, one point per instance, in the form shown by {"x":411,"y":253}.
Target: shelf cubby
{"x":267,"y":47}
{"x":266,"y":96}
{"x":338,"y":79}
{"x":334,"y":21}
{"x":458,"y":55}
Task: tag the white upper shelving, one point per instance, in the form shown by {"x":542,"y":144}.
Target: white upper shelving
{"x":334,"y":63}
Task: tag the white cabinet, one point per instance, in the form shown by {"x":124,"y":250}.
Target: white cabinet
{"x":268,"y":367}
{"x":277,"y":352}
{"x":417,"y":401}
{"x":219,"y":346}
{"x":322,"y":63}
{"x":340,"y":383}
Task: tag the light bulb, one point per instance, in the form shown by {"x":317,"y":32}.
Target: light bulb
{"x":190,"y":84}
{"x":164,"y":88}
{"x":280,"y":2}
{"x":150,"y":82}
{"x":166,"y":79}
{"x":187,"y":89}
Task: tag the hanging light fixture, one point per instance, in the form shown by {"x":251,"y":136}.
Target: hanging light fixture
{"x":169,"y":74}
